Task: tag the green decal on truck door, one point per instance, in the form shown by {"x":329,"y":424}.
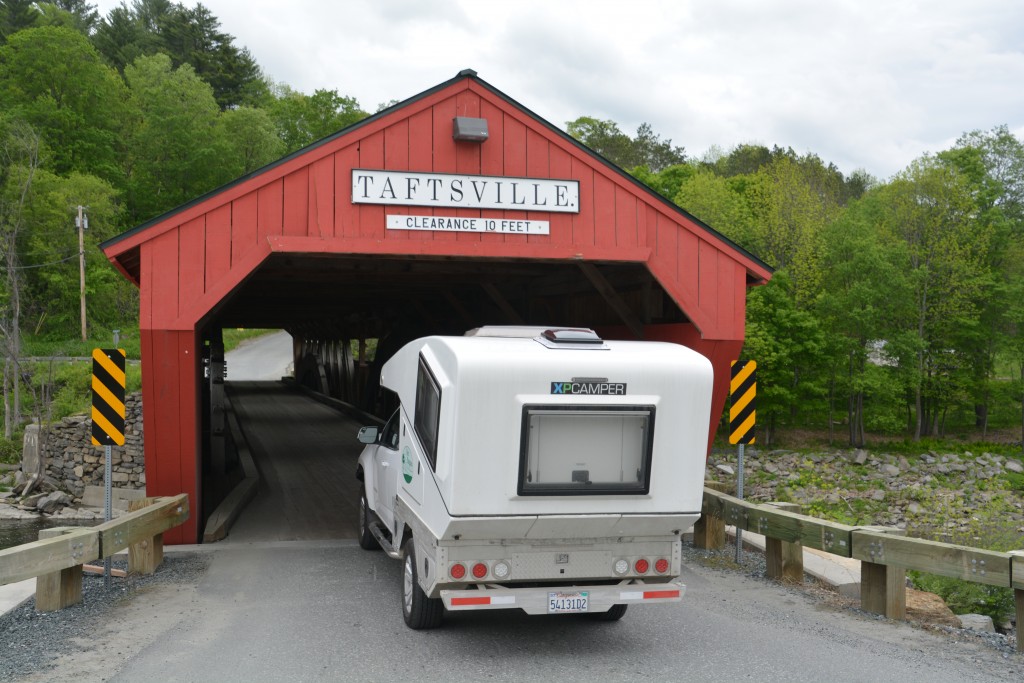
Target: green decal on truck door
{"x":407,"y":465}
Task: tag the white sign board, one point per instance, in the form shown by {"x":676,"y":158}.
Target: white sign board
{"x":504,"y":226}
{"x":405,"y":188}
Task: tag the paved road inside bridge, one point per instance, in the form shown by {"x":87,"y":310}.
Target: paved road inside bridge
{"x":306,"y":454}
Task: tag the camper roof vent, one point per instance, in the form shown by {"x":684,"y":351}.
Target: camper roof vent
{"x":571,"y":338}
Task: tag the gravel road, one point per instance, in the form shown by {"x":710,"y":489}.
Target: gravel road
{"x":311,"y":611}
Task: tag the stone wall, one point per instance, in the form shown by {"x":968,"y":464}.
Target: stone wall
{"x":71,"y":462}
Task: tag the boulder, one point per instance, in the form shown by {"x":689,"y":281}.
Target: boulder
{"x":890,"y":470}
{"x":725,"y":469}
{"x":51,"y":502}
{"x":860,"y":456}
{"x":977,"y":622}
{"x":1013,"y":466}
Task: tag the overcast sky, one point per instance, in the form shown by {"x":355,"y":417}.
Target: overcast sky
{"x":866,"y":84}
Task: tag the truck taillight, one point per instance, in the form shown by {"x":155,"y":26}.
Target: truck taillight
{"x":641,"y":566}
{"x":620,"y":567}
{"x":501,"y":570}
{"x":661,"y":566}
{"x":479,"y":570}
{"x":457,"y":571}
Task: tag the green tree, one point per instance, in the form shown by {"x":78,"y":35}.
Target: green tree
{"x":646,"y":149}
{"x":50,"y":257}
{"x":792,"y":201}
{"x":16,"y":15}
{"x":75,"y":14}
{"x":176,"y":153}
{"x":722,"y":204}
{"x":858,"y":309}
{"x":19,"y":162}
{"x":992,"y":163}
{"x":251,"y":139}
{"x":188,"y":36}
{"x":930,"y":212}
{"x":787,"y":344}
{"x":52,"y":78}
{"x":303,"y":119}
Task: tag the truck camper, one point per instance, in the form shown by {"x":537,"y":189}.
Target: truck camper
{"x":541,"y":469}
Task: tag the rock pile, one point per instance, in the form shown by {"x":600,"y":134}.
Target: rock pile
{"x":947,"y":490}
{"x":68,"y":462}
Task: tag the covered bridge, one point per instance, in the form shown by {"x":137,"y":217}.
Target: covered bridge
{"x":456,"y":208}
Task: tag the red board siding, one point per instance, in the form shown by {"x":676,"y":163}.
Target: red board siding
{"x":321,"y":198}
{"x":192,"y":264}
{"x":270,"y":210}
{"x":218,"y":244}
{"x":164,"y":260}
{"x":346,"y":223}
{"x":243,"y":227}
{"x":296,"y":203}
{"x":371,"y":217}
{"x":171,"y":388}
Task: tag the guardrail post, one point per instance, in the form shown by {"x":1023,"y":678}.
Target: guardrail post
{"x":1017,"y":581}
{"x":146,"y":555}
{"x":709,"y":530}
{"x":784,"y":560}
{"x":59,"y":589}
{"x":883,"y":587}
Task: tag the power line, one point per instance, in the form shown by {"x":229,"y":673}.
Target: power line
{"x":51,"y":263}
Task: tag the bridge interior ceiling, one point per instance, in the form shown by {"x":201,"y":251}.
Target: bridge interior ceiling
{"x":332,"y":297}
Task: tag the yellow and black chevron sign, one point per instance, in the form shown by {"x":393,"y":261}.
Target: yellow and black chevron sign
{"x":108,"y":397}
{"x":742,"y":393}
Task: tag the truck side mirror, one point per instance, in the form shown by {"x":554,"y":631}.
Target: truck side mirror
{"x":367,"y":435}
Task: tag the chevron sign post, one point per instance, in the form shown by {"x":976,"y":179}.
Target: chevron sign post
{"x":742,"y":418}
{"x":107,"y":419}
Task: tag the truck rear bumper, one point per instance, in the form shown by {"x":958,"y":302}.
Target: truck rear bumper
{"x":539,"y":600}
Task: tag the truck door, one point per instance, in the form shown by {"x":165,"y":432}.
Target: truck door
{"x":386,"y":464}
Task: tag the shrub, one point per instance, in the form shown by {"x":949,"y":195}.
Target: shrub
{"x":964,"y":597}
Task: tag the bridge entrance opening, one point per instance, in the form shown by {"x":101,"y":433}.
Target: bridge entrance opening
{"x":341,"y":318}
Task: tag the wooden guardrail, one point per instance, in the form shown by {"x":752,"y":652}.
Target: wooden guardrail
{"x":885,"y":556}
{"x":56,"y":559}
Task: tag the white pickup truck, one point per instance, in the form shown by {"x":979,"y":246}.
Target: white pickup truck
{"x":539,"y":469}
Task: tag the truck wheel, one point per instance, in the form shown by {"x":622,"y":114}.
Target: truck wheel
{"x":420,"y":612}
{"x":614,"y":614}
{"x":367,"y":541}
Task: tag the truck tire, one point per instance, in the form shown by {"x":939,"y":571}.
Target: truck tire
{"x":420,"y":612}
{"x":614,"y":614}
{"x":367,"y":541}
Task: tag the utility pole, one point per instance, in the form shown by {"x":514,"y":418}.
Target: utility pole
{"x":82,"y":223}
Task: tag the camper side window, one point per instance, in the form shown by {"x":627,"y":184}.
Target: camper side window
{"x":428,"y":412}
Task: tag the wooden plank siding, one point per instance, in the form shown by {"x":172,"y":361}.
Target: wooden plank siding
{"x":190,"y":260}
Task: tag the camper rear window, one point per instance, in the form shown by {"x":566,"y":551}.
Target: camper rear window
{"x":428,"y":411}
{"x":595,"y":450}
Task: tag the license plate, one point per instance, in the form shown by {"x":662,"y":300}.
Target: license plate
{"x":568,"y":603}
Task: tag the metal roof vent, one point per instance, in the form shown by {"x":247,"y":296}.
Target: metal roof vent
{"x":571,"y":338}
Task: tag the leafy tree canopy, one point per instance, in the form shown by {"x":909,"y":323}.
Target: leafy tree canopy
{"x":188,"y":36}
{"x":646,"y":149}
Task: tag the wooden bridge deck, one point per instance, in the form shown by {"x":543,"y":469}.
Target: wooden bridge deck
{"x":306,"y":455}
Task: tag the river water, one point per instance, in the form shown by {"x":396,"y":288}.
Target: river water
{"x":17,"y":531}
